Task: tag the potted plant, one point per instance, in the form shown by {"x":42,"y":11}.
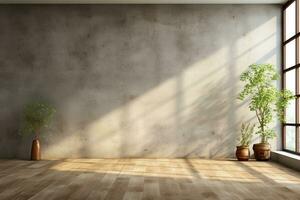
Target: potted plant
{"x":36,"y":117}
{"x":242,"y":151}
{"x":266,"y":101}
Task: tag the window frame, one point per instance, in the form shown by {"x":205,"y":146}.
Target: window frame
{"x":296,"y":67}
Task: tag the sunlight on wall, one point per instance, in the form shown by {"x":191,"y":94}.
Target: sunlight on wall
{"x":192,"y":114}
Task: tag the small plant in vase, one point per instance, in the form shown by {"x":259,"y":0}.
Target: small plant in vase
{"x":266,"y":101}
{"x":242,"y":151}
{"x":36,"y":117}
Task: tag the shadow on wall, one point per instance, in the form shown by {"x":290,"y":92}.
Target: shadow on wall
{"x":132,"y":81}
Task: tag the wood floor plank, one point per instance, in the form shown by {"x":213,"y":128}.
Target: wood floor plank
{"x":118,"y":189}
{"x":137,"y":179}
{"x":151,"y":189}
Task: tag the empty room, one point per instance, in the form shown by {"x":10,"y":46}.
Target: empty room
{"x":150,"y":99}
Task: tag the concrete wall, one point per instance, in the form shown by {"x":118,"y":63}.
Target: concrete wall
{"x":132,"y":80}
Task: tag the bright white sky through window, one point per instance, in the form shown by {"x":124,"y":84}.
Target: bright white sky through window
{"x":290,"y":20}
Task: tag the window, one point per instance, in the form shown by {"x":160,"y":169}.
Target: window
{"x":290,"y":74}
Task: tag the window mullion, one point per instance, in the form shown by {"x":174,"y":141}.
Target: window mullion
{"x":283,"y":74}
{"x":297,"y":76}
{"x":291,"y":73}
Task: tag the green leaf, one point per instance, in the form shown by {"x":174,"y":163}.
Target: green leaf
{"x":265,"y":99}
{"x":36,"y":116}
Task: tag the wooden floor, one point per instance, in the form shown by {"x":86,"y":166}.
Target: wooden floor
{"x":147,"y":179}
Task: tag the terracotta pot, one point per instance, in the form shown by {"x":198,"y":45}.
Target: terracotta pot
{"x":262,"y":151}
{"x":242,"y":153}
{"x":35,"y":150}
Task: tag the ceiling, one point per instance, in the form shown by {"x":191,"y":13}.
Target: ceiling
{"x":146,"y":1}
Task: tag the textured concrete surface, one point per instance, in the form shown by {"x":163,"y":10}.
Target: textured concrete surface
{"x":288,"y":159}
{"x":132,"y":80}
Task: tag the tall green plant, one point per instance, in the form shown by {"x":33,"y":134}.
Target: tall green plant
{"x":265,"y":99}
{"x":36,"y":116}
{"x":247,"y":131}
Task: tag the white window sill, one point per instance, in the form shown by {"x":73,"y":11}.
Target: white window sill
{"x":290,"y":155}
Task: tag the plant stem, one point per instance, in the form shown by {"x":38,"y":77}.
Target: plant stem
{"x":37,"y":134}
